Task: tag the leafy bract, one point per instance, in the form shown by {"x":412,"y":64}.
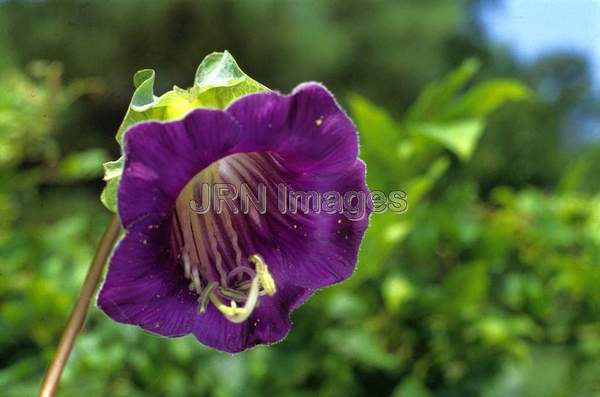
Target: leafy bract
{"x":112,"y":174}
{"x":218,"y":81}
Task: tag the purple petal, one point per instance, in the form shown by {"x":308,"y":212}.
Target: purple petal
{"x":307,"y":128}
{"x":160,"y":158}
{"x":317,"y":249}
{"x":143,"y":285}
{"x":269,"y":323}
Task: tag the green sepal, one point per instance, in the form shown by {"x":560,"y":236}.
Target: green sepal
{"x":218,"y":82}
{"x":112,"y":175}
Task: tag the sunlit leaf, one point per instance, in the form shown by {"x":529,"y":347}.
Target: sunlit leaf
{"x":437,"y":96}
{"x":378,"y":133}
{"x":461,"y":136}
{"x":487,"y":96}
{"x":82,"y":165}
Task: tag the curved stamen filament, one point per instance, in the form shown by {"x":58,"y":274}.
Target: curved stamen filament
{"x":232,"y":312}
{"x":262,"y":273}
{"x":233,"y":294}
{"x":204,"y":296}
{"x":247,"y":291}
{"x":240,"y":270}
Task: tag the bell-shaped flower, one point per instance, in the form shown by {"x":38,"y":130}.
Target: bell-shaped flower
{"x":234,"y":217}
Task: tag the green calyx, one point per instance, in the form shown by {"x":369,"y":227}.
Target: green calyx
{"x":218,"y":81}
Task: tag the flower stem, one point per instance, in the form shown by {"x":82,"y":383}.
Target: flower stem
{"x":79,"y":312}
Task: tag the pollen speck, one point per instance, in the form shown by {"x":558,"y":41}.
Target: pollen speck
{"x":157,"y":325}
{"x":339,"y":221}
{"x":319,"y":121}
{"x":145,"y":242}
{"x":158,"y":295}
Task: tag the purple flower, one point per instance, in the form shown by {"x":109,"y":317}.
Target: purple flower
{"x":233,"y":277}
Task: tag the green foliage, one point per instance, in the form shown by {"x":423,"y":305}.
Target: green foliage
{"x":30,"y":106}
{"x":457,"y":121}
{"x":478,"y":289}
{"x":47,"y":222}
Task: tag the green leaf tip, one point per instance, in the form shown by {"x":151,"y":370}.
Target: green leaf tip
{"x":218,"y":69}
{"x":218,"y":82}
{"x":112,"y":175}
{"x":143,"y":97}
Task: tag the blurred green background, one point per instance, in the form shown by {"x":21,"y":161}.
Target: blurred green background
{"x":489,"y":285}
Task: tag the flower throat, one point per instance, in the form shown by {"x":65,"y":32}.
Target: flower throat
{"x":216,"y":249}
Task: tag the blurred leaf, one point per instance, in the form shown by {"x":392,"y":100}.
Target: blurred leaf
{"x":465,"y":287}
{"x":396,"y":291}
{"x":31,"y":109}
{"x":83,"y":165}
{"x":378,"y":131}
{"x":419,"y":186}
{"x":486,"y":97}
{"x":436,"y":97}
{"x":384,"y":233}
{"x":458,"y":136}
{"x":544,"y":376}
{"x":411,"y":387}
{"x":362,"y":347}
{"x":579,"y":175}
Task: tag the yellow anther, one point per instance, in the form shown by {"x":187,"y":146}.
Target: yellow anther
{"x":248,"y":292}
{"x":263,"y":275}
{"x":238,"y":314}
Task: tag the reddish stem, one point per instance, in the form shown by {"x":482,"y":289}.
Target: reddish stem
{"x":75,"y":323}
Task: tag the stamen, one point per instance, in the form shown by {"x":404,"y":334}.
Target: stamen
{"x":212,"y":240}
{"x":263,"y":275}
{"x":234,"y":238}
{"x":204,"y":296}
{"x":196,"y":279}
{"x":186,"y":264}
{"x":232,"y":312}
{"x":233,"y":294}
{"x":241,"y":270}
{"x":262,"y":279}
